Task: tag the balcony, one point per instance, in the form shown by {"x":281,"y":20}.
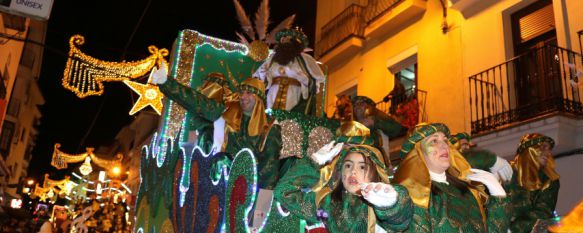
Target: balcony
{"x":541,"y":82}
{"x":580,"y":33}
{"x":469,"y":8}
{"x":385,"y":17}
{"x":395,"y":105}
{"x":344,"y":32}
{"x":344,"y":35}
{"x":409,"y":109}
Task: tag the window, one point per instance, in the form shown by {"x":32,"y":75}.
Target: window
{"x":2,"y":86}
{"x":28,"y":152}
{"x":28,"y":56}
{"x":5,"y":3}
{"x":22,"y":134}
{"x":532,"y":26}
{"x":6,"y":138}
{"x":406,"y":100}
{"x":350,"y":92}
{"x":14,"y":22}
{"x":13,"y":107}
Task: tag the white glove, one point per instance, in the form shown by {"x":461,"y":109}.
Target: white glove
{"x":502,"y":169}
{"x":379,"y":194}
{"x":326,"y":153}
{"x":159,"y":76}
{"x":489,"y":180}
{"x":218,"y":134}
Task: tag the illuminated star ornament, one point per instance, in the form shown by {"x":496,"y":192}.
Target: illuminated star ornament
{"x":150,"y":95}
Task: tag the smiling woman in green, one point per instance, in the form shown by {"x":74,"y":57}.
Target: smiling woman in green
{"x":535,"y":185}
{"x":443,"y":186}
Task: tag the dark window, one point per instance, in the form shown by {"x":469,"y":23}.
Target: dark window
{"x":2,"y":86}
{"x":22,"y":134}
{"x":405,"y":87}
{"x":6,"y":138}
{"x":5,"y":3}
{"x":14,"y":22}
{"x":13,"y":107}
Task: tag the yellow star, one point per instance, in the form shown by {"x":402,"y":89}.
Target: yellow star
{"x":43,"y":197}
{"x":149,"y":95}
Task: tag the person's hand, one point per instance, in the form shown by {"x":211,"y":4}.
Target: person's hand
{"x":502,"y":169}
{"x":489,"y":180}
{"x":326,"y":153}
{"x":379,"y":194}
{"x":159,"y":76}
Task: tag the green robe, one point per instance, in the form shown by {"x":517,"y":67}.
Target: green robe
{"x":294,"y":194}
{"x":453,"y":211}
{"x":265,"y":147}
{"x":528,"y":206}
{"x":388,"y":126}
{"x":480,"y":159}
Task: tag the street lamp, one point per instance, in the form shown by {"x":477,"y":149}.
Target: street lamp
{"x":116,"y":170}
{"x":30,"y":182}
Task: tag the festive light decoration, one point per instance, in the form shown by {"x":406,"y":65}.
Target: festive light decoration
{"x":84,"y":75}
{"x":16,"y":203}
{"x":150,"y":95}
{"x":86,"y":168}
{"x":61,"y":159}
{"x":241,"y":194}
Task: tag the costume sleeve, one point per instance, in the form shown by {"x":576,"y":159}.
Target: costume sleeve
{"x":497,"y":212}
{"x":192,"y":100}
{"x":262,"y":72}
{"x":542,"y":208}
{"x":388,"y":125}
{"x":294,"y":190}
{"x":268,"y":159}
{"x":421,"y":222}
{"x":480,"y":159}
{"x":398,"y":216}
{"x":314,"y":69}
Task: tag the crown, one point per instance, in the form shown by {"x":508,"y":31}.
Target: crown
{"x":295,"y":33}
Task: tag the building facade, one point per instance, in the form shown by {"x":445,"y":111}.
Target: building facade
{"x":495,"y":69}
{"x":20,"y":64}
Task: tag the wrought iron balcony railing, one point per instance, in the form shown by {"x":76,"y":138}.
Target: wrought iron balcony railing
{"x":347,"y":24}
{"x":541,"y":81}
{"x":376,"y":8}
{"x":351,"y":23}
{"x":409,"y":107}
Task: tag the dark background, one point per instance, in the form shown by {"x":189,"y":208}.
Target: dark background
{"x":107,"y":26}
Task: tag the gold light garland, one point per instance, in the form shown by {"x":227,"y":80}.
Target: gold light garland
{"x":61,"y":159}
{"x":51,"y":187}
{"x":84,"y":75}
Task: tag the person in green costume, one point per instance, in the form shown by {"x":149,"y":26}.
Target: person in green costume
{"x":214,"y":87}
{"x":481,"y":158}
{"x":448,"y":195}
{"x":244,"y":125}
{"x":343,"y":188}
{"x":534,"y":188}
{"x":382,"y":126}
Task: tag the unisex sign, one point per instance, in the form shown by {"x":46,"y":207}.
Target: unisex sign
{"x":37,"y":9}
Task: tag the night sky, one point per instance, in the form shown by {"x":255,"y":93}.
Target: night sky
{"x":107,"y":26}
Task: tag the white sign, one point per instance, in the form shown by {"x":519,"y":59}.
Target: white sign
{"x":37,"y":9}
